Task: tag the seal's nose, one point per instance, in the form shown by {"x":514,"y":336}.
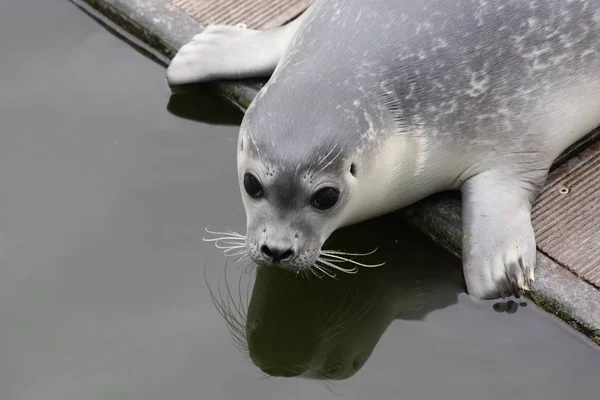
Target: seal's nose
{"x":276,"y":255}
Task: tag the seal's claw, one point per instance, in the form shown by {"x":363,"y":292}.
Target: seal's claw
{"x":507,"y":275}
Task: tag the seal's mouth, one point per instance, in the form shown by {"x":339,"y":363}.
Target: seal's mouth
{"x":328,"y":263}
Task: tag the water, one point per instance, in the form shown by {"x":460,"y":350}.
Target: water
{"x":105,"y":197}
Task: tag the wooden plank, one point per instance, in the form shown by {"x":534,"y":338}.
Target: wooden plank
{"x":253,"y":14}
{"x":566,"y":215}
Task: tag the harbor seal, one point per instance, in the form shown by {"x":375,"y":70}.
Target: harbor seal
{"x":374,"y":105}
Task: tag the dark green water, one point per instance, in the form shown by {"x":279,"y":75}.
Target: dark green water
{"x":105,"y":195}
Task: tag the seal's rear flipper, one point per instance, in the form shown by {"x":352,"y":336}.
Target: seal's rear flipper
{"x":228,"y":52}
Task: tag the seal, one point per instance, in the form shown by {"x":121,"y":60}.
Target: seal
{"x":371,"y":107}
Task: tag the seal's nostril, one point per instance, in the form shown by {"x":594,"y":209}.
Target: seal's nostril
{"x":287,"y":254}
{"x":276,"y":255}
{"x":266,"y":251}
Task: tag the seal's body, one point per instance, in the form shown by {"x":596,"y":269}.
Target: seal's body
{"x":375,"y":105}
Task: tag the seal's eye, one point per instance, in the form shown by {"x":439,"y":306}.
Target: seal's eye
{"x":252,"y":186}
{"x":325,"y":198}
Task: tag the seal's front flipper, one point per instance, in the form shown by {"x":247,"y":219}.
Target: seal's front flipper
{"x":228,"y":52}
{"x":499,"y":247}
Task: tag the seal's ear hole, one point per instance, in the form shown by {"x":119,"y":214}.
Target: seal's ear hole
{"x":353,"y":169}
{"x":242,"y":145}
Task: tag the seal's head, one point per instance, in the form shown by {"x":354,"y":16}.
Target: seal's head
{"x":296,"y":192}
{"x":293,"y":200}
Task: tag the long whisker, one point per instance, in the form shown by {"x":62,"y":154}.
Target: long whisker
{"x":333,"y":314}
{"x":232,"y":243}
{"x":235,"y":318}
{"x":353,"y":270}
{"x":306,"y":275}
{"x":331,"y":161}
{"x":244,"y":257}
{"x":233,"y":238}
{"x":228,"y":249}
{"x":324,"y":270}
{"x":315,"y":273}
{"x":326,"y":155}
{"x":255,"y":145}
{"x":345,"y":253}
{"x":228,"y":245}
{"x":237,"y":254}
{"x":339,"y":258}
{"x":333,"y":331}
{"x":224,"y":233}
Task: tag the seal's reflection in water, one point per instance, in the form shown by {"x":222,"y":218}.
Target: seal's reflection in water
{"x":326,"y":329}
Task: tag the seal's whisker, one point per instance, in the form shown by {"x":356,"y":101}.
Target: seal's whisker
{"x":226,"y":245}
{"x":353,"y":270}
{"x":325,"y":311}
{"x":344,"y":312}
{"x":247,"y":265}
{"x":230,"y":245}
{"x":235,"y":318}
{"x":306,"y":275}
{"x":315,"y":273}
{"x":232,"y":238}
{"x":255,"y":145}
{"x":239,"y":253}
{"x":244,"y":259}
{"x":243,"y":304}
{"x":236,"y":253}
{"x":331,"y":161}
{"x":338,"y":258}
{"x":336,"y":330}
{"x":231,"y":248}
{"x":231,"y":251}
{"x":249,"y":268}
{"x":327,"y":385}
{"x":236,"y":309}
{"x":343,"y":260}
{"x":345,"y":253}
{"x":326,"y":155}
{"x":224,"y":233}
{"x":324,"y":270}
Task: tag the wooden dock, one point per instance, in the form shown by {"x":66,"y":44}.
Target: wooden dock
{"x":566,"y":216}
{"x":253,"y":14}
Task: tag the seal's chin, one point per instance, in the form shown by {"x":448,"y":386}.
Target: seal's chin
{"x":280,"y":372}
{"x":287,"y":266}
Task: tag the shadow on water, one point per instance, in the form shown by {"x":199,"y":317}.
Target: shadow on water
{"x":327,"y":328}
{"x":202,"y":104}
